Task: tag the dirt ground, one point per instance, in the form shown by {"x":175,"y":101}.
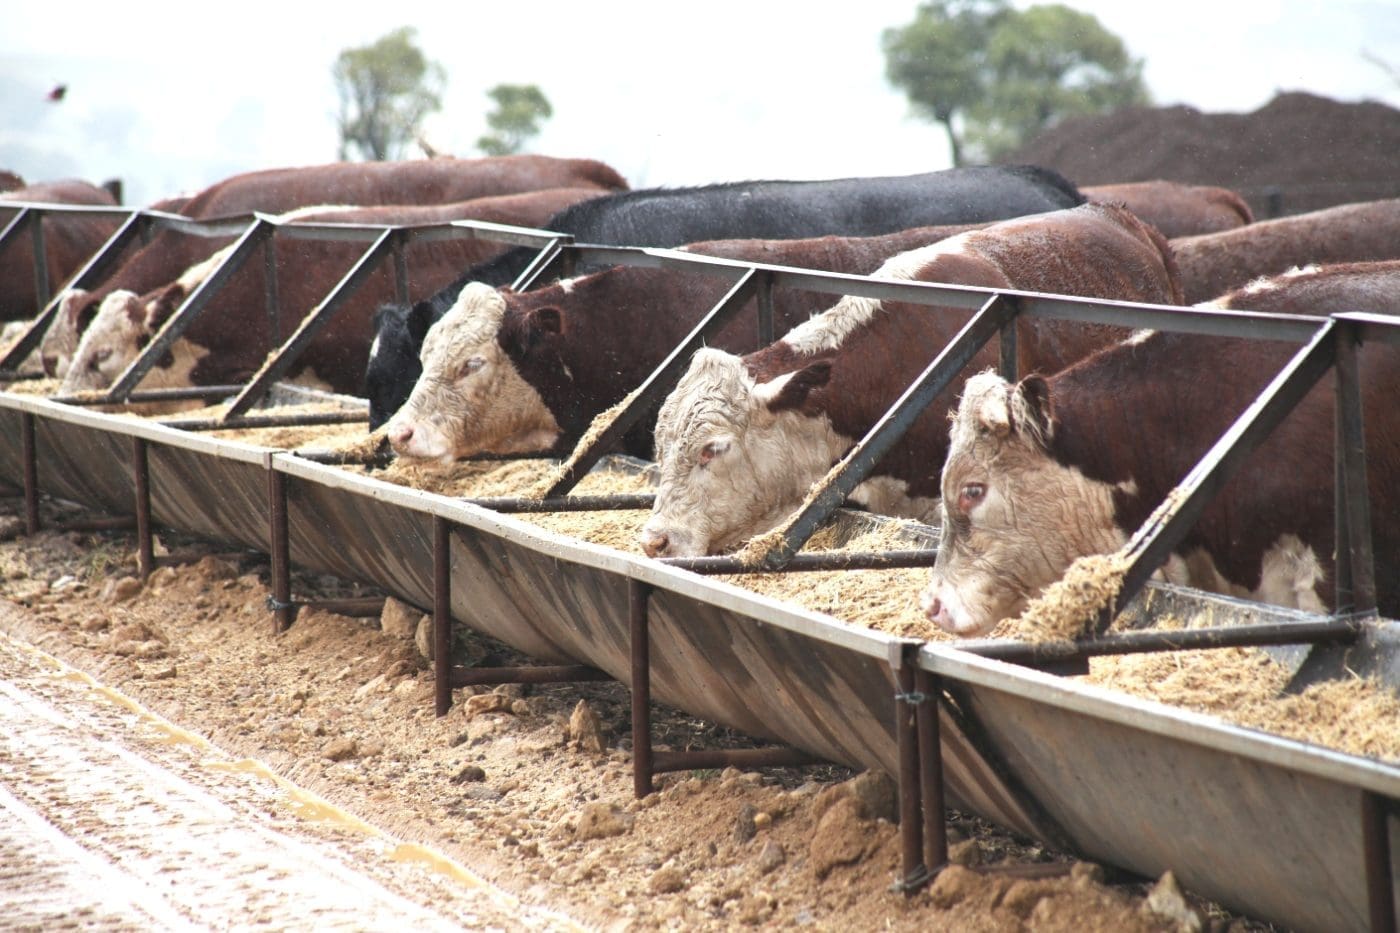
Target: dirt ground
{"x":530,"y":788}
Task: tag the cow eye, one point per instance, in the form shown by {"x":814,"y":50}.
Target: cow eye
{"x":969,"y":496}
{"x":472,"y":365}
{"x":712,"y":450}
{"x":102,"y":356}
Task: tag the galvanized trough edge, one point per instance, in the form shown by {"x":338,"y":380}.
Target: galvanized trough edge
{"x":1164,"y":720}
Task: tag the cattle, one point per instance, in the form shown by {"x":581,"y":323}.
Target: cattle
{"x":70,"y":239}
{"x":665,"y":217}
{"x":1048,"y":470}
{"x":1216,"y":263}
{"x":277,"y":191}
{"x":507,"y":372}
{"x":1177,"y":209}
{"x":230,"y":340}
{"x":740,"y":440}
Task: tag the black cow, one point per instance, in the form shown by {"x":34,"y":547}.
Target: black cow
{"x":665,"y":217}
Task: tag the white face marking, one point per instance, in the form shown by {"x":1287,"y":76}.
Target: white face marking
{"x":729,"y":466}
{"x":374,"y":347}
{"x":114,"y":340}
{"x":470,"y":397}
{"x":61,"y":339}
{"x":1014,"y":519}
{"x":1138,"y":337}
{"x":828,"y":330}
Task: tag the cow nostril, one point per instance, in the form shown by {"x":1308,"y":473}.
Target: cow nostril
{"x":933,"y":609}
{"x":655,"y":545}
{"x":401,"y":435}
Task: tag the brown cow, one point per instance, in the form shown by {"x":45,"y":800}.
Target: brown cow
{"x":741,"y":439}
{"x":1215,"y":263}
{"x":1177,"y":209}
{"x":69,"y":241}
{"x":1049,"y":470}
{"x":509,"y":372}
{"x":229,"y":341}
{"x":424,"y":181}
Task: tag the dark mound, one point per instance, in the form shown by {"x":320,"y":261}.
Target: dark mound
{"x":1299,"y":152}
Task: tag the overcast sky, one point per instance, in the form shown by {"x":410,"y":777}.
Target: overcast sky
{"x":668,"y":94}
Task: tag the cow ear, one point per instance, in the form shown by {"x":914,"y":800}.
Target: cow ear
{"x":1032,"y":410}
{"x":790,"y":391}
{"x":418,"y":320}
{"x":523,"y":332}
{"x":163,"y":305}
{"x":542,"y":321}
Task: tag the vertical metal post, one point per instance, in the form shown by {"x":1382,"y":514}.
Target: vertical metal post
{"x":400,"y":271}
{"x":912,"y":871}
{"x":929,"y":686}
{"x":638,"y":594}
{"x":765,"y":309}
{"x":442,"y":615}
{"x":1006,"y":344}
{"x":281,"y":598}
{"x":140,"y":467}
{"x":1375,"y":840}
{"x":31,"y":474}
{"x":42,"y":286}
{"x":1355,"y":575}
{"x":270,"y":293}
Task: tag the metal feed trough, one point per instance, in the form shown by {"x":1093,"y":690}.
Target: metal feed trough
{"x":1280,"y":829}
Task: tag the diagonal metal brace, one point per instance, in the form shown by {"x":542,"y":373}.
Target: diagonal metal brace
{"x":1155,"y":540}
{"x":658,"y":383}
{"x":312,"y":324}
{"x":995,"y":314}
{"x":252,"y":239}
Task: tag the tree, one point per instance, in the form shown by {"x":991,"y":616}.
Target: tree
{"x":385,"y":89}
{"x":995,"y":76}
{"x":519,"y":110}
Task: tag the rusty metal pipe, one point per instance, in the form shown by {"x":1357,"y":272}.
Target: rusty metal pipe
{"x":170,"y":394}
{"x":267,"y":421}
{"x":280,"y":600}
{"x":911,"y":842}
{"x":1220,"y":636}
{"x":1375,"y":840}
{"x":731,"y":758}
{"x":638,"y":593}
{"x":442,"y":615}
{"x":541,"y":674}
{"x":365,"y":607}
{"x":929,"y":687}
{"x":31,"y":474}
{"x":812,"y":562}
{"x":97,"y":523}
{"x":141,"y":478}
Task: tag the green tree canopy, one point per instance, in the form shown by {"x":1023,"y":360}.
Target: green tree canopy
{"x":994,"y":76}
{"x":386,"y":89}
{"x":516,"y":118}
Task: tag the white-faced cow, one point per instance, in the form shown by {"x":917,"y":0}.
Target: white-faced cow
{"x":507,"y":372}
{"x":741,"y":439}
{"x":230,"y":340}
{"x":277,"y":191}
{"x":1048,"y":470}
{"x":70,"y":239}
{"x":667,"y":217}
{"x":1215,"y":263}
{"x":1177,"y":209}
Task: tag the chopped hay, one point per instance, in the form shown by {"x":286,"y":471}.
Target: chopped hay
{"x":1067,"y":608}
{"x":1244,"y":686}
{"x":481,"y":479}
{"x":33,"y":386}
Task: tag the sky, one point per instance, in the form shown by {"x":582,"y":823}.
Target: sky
{"x":668,"y":94}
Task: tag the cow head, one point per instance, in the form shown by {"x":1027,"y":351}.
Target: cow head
{"x":471,"y":396}
{"x":75,"y":312}
{"x":393,"y":365}
{"x":1014,"y":518}
{"x":108,"y":344}
{"x":736,"y":456}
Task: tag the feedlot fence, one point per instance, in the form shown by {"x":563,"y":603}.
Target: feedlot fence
{"x":1134,"y":783}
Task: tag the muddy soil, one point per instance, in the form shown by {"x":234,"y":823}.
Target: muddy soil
{"x":530,"y":788}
